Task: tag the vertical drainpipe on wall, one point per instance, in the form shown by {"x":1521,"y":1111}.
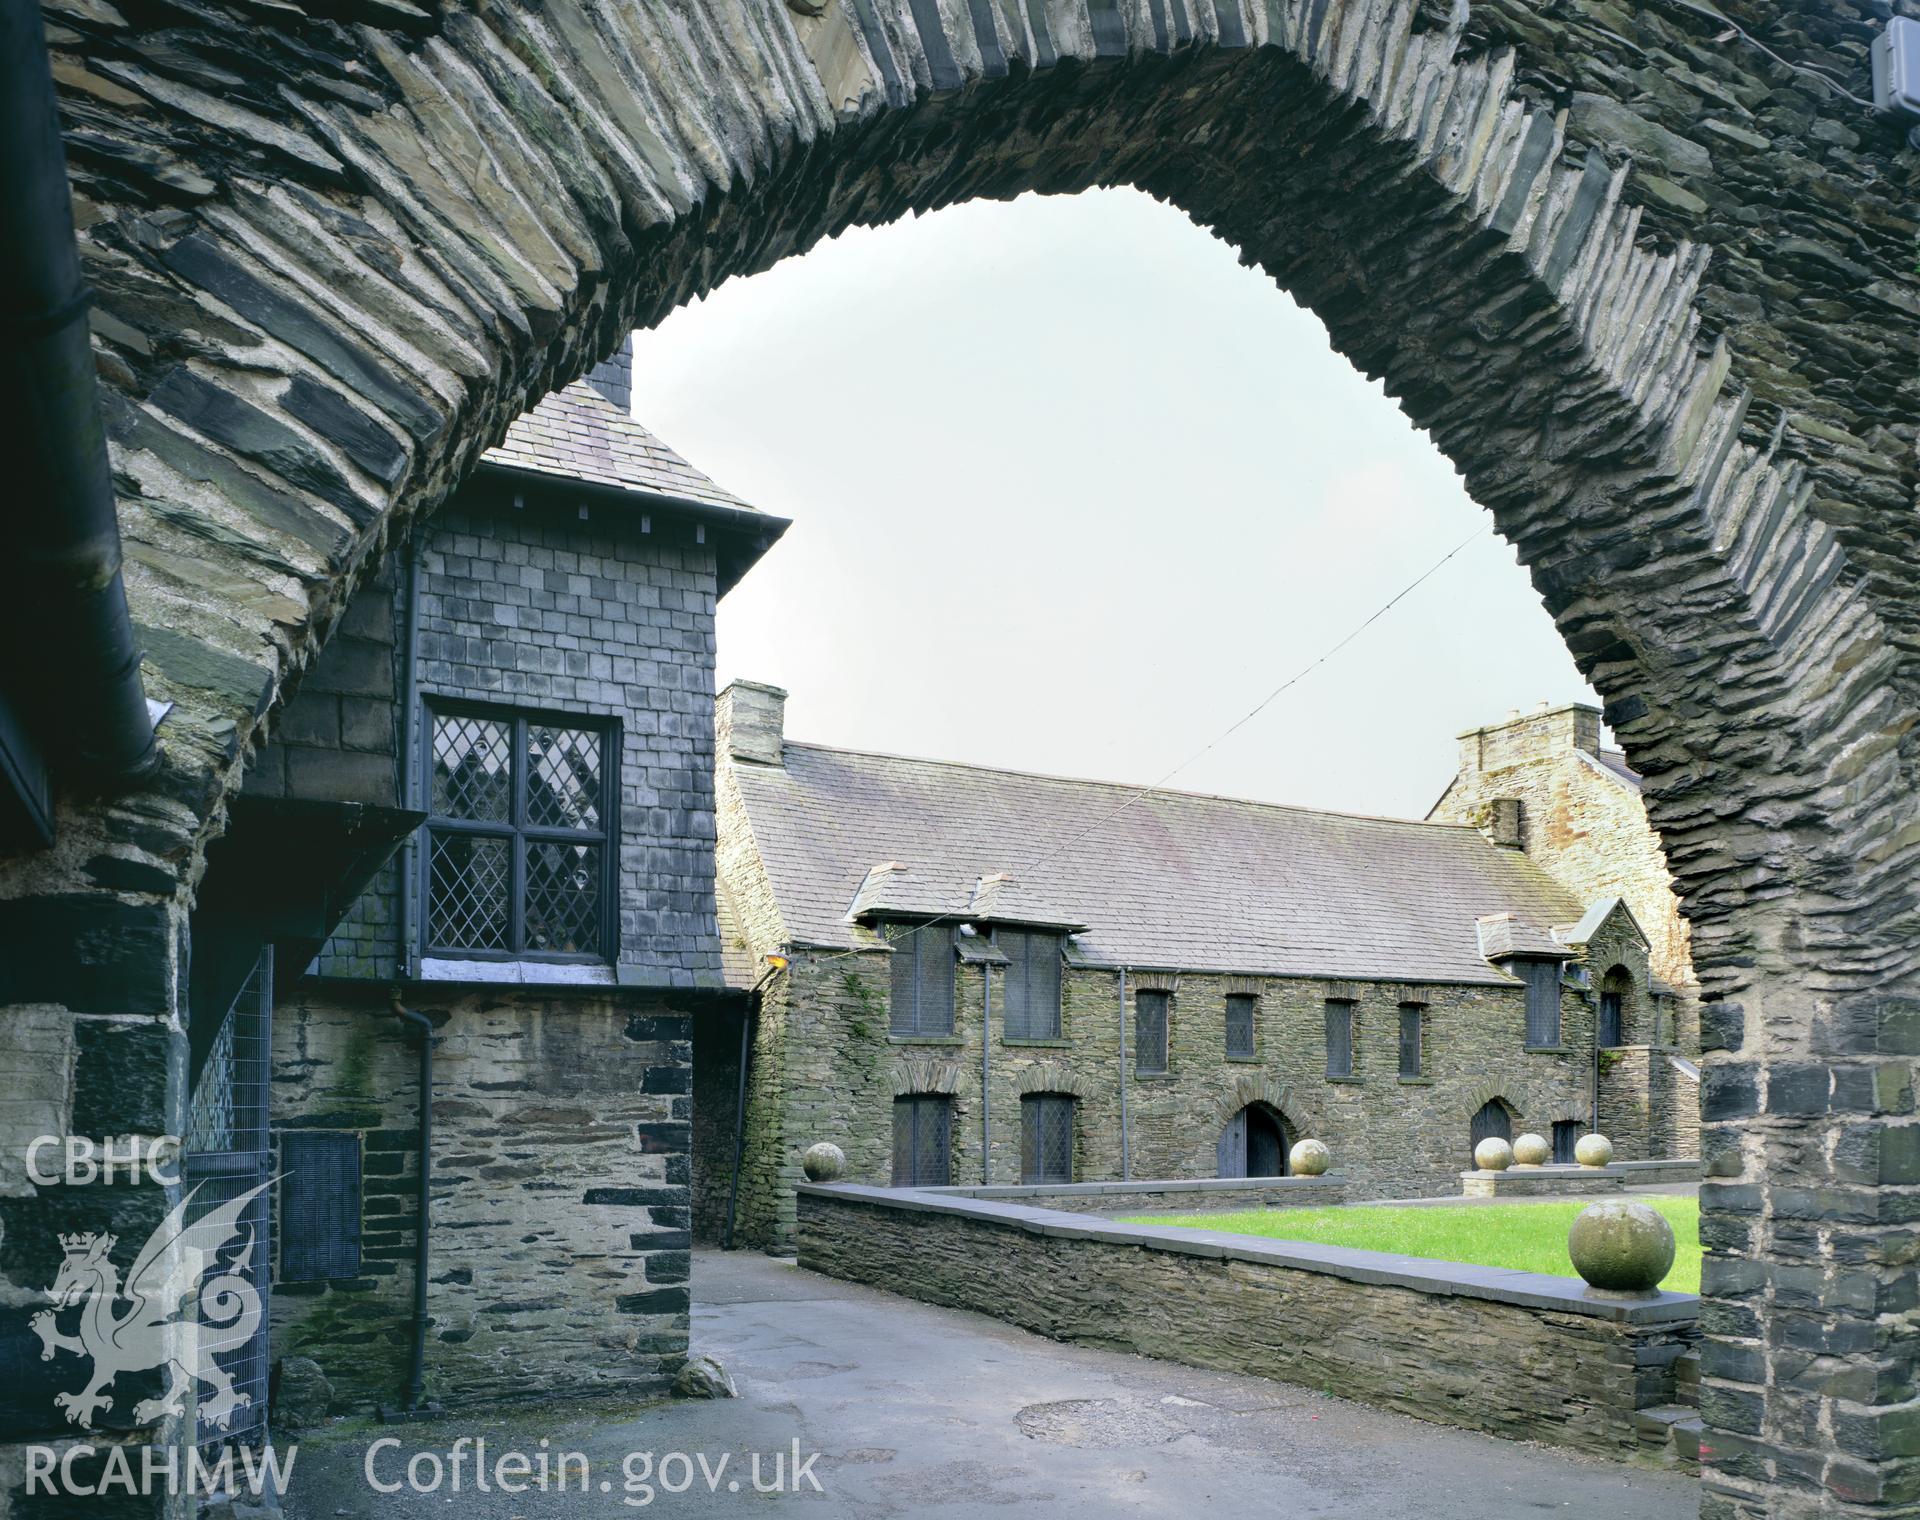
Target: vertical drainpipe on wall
{"x":1126,"y":1152}
{"x":406,"y":961}
{"x":986,"y":1071}
{"x":413,"y":1401}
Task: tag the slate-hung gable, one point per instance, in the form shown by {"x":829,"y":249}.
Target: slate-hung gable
{"x":968,"y":951}
{"x":531,"y":685}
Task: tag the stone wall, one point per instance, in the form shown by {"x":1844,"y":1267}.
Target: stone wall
{"x":1585,"y":825}
{"x":560,"y":1226}
{"x":1168,"y":1196}
{"x":826,"y":1068}
{"x":1512,"y":1354}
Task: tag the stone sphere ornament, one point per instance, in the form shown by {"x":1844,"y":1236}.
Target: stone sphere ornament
{"x":1493,"y":1154}
{"x":824,"y":1162}
{"x":1620,"y":1246}
{"x":1531,"y":1150}
{"x":1593,"y":1150}
{"x":1309,"y":1158}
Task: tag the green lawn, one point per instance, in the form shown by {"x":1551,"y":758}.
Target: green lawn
{"x":1531,"y":1237}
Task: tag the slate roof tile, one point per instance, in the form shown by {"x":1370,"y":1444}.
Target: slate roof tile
{"x":1175,"y":880}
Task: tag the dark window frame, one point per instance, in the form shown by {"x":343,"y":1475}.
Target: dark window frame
{"x":915,"y":943}
{"x":1238,"y":1003}
{"x":1341,"y":1015}
{"x":518,"y":831}
{"x":1610,"y":1016}
{"x":1160,"y":1000}
{"x":1028,"y":951}
{"x":1413,"y":1019}
{"x":1566,"y":1135}
{"x":927,"y":1160}
{"x":1542,"y":978}
{"x":1040,"y":1112}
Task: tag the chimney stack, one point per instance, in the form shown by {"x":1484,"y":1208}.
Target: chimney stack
{"x":1504,"y":820}
{"x":750,"y":720}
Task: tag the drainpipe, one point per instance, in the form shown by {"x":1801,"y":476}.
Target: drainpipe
{"x":740,"y":1112}
{"x":1126,"y":1150}
{"x":407,"y":961}
{"x":64,"y":542}
{"x":413,"y":1400}
{"x":986,"y":1074}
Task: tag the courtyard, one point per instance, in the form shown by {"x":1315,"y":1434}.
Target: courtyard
{"x":923,"y":1411}
{"x":1527,"y":1237}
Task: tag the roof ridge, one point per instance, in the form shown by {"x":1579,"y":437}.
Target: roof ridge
{"x":1132,"y":786}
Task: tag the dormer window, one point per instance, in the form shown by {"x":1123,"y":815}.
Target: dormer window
{"x":921,"y":1004}
{"x":1030,"y":984}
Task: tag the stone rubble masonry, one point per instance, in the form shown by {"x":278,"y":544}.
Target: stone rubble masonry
{"x":1511,"y":1354}
{"x":560,"y":1226}
{"x":1644,"y":275}
{"x":1582,"y":823}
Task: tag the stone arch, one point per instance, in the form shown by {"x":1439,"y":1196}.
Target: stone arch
{"x":317,"y":310}
{"x":1494,"y":1091}
{"x":927,"y":1074}
{"x":1054,"y":1077}
{"x":1249,"y":1088}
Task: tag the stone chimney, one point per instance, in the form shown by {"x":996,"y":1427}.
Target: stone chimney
{"x":750,"y":722}
{"x":612,"y":377}
{"x":1526,"y":737}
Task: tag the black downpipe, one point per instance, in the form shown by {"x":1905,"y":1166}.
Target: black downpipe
{"x":413,"y":1398}
{"x":740,"y":1112}
{"x":64,"y":586}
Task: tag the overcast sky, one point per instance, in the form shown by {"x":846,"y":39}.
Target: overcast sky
{"x":1071,"y":492}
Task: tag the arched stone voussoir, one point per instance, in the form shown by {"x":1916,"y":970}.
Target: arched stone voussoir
{"x":1054,"y":1077}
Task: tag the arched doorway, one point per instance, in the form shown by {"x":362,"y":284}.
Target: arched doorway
{"x":1254,"y":1143}
{"x":1493,"y":1120}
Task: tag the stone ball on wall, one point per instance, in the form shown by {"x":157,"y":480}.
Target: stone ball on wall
{"x":1309,"y":1158}
{"x":1493,"y":1154}
{"x":1593,"y":1150}
{"x":1531,"y":1150}
{"x":1620,"y":1246}
{"x":824,"y":1162}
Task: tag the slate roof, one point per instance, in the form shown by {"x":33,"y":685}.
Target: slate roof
{"x":1177,"y":880}
{"x":577,"y":433}
{"x":1614,"y":762}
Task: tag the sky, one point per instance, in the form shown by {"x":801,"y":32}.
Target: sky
{"x":1072,"y":491}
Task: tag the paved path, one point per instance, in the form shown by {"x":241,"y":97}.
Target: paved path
{"x":927,"y":1412}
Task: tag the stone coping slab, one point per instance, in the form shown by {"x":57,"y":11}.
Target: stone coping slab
{"x":1529,"y":1290}
{"x":1327,"y":1182}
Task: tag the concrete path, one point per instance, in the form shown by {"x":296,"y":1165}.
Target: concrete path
{"x":926,"y":1412}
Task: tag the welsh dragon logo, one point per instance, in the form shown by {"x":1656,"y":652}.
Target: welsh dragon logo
{"x":151,"y":1320}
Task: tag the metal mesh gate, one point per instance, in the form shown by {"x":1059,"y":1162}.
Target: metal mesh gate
{"x":225,"y":1155}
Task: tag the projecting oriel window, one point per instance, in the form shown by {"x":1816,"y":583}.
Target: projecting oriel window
{"x":921,"y":1002}
{"x":518,"y":860}
{"x":1339,"y":1037}
{"x":1240,"y":1007}
{"x":1151,"y":1012}
{"x":1543,"y":1000}
{"x":1410,"y":1041}
{"x":1046,"y":1138}
{"x":922,"y":1140}
{"x":1030,"y":984}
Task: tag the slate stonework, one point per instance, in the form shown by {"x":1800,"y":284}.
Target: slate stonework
{"x":1645,"y":274}
{"x":560,"y":1221}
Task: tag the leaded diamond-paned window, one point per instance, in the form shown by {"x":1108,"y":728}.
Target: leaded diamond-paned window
{"x":1240,"y":1009}
{"x":518,"y":856}
{"x":1030,"y":985}
{"x":1046,"y":1138}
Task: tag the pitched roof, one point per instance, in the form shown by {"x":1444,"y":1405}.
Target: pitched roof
{"x":1614,"y":763}
{"x":1173,"y":880}
{"x":578,"y":434}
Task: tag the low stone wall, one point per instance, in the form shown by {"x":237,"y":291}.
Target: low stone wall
{"x":1513,"y":1354}
{"x":1202,"y":1195}
{"x":1580,"y":1181}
